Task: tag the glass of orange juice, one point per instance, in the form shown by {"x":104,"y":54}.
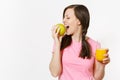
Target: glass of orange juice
{"x":100,"y":53}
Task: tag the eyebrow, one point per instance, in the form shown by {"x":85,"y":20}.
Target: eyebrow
{"x":66,"y":15}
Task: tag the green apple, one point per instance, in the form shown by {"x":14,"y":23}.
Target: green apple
{"x":62,"y":29}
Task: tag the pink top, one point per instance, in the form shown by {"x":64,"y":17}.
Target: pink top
{"x":74,"y":67}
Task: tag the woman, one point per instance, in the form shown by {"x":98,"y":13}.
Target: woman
{"x":74,"y":53}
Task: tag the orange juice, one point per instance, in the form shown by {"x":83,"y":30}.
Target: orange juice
{"x":100,"y":53}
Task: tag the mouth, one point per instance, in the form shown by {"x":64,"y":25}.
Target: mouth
{"x":67,"y":27}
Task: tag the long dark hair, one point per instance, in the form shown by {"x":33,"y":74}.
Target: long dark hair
{"x":82,"y":13}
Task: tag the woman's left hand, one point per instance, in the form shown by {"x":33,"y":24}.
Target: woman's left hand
{"x":106,"y":60}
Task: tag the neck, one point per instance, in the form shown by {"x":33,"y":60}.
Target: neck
{"x":77,"y":37}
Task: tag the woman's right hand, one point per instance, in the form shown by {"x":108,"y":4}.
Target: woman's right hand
{"x":55,"y":34}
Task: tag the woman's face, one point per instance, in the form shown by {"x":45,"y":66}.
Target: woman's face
{"x":70,"y":21}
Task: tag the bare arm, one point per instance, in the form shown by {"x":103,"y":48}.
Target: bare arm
{"x":55,"y":65}
{"x":99,"y":71}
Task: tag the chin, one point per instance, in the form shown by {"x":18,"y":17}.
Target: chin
{"x":68,"y":34}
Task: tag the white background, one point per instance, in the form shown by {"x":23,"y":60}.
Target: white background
{"x":26,"y":42}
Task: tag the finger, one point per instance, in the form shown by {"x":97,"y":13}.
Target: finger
{"x":58,"y":30}
{"x":107,"y":50}
{"x":106,"y":55}
{"x":106,"y":60}
{"x":52,"y":29}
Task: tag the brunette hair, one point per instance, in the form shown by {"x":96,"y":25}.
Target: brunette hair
{"x":82,"y":13}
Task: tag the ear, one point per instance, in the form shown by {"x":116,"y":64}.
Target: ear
{"x":78,"y":22}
